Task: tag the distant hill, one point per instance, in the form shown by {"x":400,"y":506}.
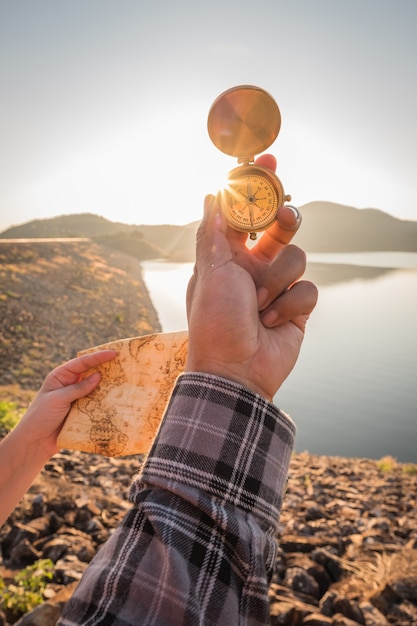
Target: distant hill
{"x":171,"y":242}
{"x":327,"y":227}
{"x":76,"y":225}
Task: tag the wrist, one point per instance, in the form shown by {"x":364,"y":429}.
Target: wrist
{"x":21,"y":460}
{"x":229,"y":372}
{"x":35,"y":451}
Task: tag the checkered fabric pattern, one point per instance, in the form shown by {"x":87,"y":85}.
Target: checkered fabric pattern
{"x":197,"y":547}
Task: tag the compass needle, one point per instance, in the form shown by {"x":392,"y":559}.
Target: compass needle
{"x":249,"y":188}
{"x":251,"y":216}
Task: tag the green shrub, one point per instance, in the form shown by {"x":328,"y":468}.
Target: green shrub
{"x":386,"y":464}
{"x":27,"y":589}
{"x":10,"y":414}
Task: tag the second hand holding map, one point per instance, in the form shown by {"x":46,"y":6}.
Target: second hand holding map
{"x":122,"y":415}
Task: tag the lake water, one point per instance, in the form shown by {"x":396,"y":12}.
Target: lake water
{"x":353,"y":391}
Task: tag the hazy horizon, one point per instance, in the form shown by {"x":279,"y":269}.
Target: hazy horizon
{"x":104,"y":105}
{"x":121,"y":221}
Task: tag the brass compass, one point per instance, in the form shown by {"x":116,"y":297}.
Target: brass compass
{"x":243,"y":122}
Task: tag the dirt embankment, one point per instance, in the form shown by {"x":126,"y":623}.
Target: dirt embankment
{"x":58,"y":297}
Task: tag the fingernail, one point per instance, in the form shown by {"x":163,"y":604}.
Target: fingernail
{"x":94,"y":377}
{"x":262,"y":297}
{"x":269,"y":318}
{"x":294,"y":210}
{"x":283,"y":218}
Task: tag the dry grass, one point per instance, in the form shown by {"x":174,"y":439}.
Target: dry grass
{"x":374,"y":570}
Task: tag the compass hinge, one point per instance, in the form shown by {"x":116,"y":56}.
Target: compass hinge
{"x":246,"y":160}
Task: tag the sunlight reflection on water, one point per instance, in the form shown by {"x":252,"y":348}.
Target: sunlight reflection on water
{"x":167,"y":286}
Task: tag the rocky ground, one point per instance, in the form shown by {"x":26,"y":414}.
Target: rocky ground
{"x":348,"y":544}
{"x":347,"y":537}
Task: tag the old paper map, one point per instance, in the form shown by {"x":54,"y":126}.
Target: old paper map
{"x":122,"y":415}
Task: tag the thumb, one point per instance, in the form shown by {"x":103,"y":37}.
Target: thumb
{"x":81,"y":388}
{"x":212,"y":248}
{"x":210,"y":239}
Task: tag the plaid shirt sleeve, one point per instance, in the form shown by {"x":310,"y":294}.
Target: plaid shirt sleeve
{"x":197,"y":546}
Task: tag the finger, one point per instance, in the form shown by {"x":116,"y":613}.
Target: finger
{"x":81,"y":388}
{"x":277,"y":236}
{"x":272,"y":240}
{"x":70,"y":372}
{"x":282,"y":272}
{"x":267,"y":160}
{"x":212,"y":248}
{"x":284,"y":229}
{"x":84,"y":362}
{"x":293,"y":305}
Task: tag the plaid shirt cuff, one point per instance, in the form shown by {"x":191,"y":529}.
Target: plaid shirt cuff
{"x":223,"y":440}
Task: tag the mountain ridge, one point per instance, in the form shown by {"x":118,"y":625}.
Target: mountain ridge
{"x":330,"y":227}
{"x":326,"y":227}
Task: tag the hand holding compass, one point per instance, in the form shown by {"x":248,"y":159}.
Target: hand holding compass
{"x":242,"y":122}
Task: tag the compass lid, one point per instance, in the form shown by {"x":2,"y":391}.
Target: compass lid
{"x":244,"y":121}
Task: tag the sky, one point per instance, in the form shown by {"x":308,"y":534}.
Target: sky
{"x":104,"y":103}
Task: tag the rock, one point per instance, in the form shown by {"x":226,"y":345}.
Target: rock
{"x":45,"y":614}
{"x":79,"y":544}
{"x":55,"y":548}
{"x":23,"y":554}
{"x":342,"y":620}
{"x":312,"y":568}
{"x":62,"y":596}
{"x":287,"y":613}
{"x":69,"y":569}
{"x":20,"y":532}
{"x":41,"y":525}
{"x":300,"y":581}
{"x":329,"y":562}
{"x":317,"y":619}
{"x":298,"y":543}
{"x":333,"y":603}
{"x":38,"y":505}
{"x":315,"y":512}
{"x":372,"y":616}
{"x":405,"y":587}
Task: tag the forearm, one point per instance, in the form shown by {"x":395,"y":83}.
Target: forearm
{"x":198,"y":543}
{"x":225,"y":441}
{"x":20,"y":463}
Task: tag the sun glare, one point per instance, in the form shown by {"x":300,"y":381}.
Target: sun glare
{"x":152,"y":173}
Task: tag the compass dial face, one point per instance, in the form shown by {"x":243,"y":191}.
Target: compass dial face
{"x":252,"y":198}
